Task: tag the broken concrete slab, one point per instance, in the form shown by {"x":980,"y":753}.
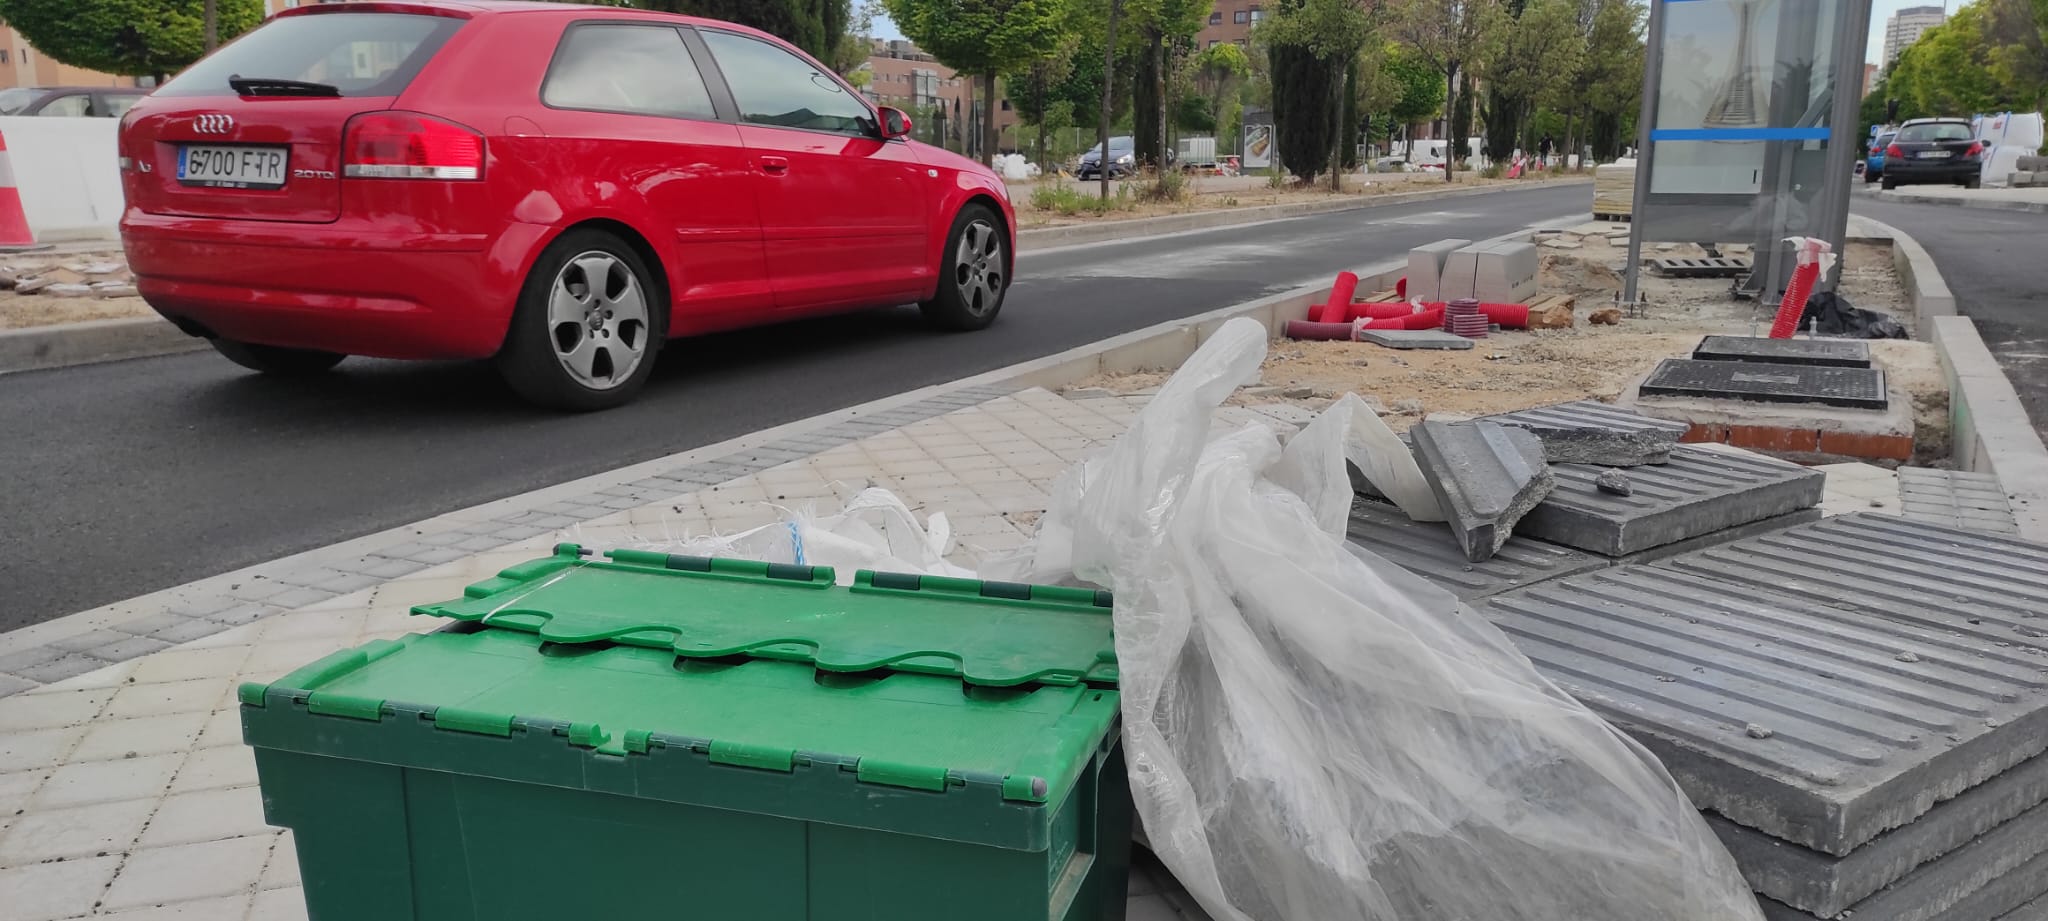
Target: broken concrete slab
{"x":1839,"y":353}
{"x":1428,"y":550}
{"x":1859,"y":388}
{"x":1486,"y":476}
{"x":1590,"y":432}
{"x":1426,"y":268}
{"x":1801,"y":631}
{"x":1696,"y":492}
{"x":1826,"y":885}
{"x":1414,"y":339}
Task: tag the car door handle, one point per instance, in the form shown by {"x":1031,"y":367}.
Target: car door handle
{"x":775,"y":164}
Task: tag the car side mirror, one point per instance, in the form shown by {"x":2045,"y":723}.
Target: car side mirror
{"x":895,"y":123}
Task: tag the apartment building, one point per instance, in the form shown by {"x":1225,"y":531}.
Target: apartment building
{"x":1905,"y":27}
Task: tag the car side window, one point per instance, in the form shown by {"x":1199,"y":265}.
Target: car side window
{"x":637,"y":69}
{"x":74,"y":105}
{"x":115,"y":105}
{"x":774,"y":87}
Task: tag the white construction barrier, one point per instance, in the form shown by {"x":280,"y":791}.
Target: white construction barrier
{"x":68,"y":173}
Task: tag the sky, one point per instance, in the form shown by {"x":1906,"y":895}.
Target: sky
{"x":1880,"y":10}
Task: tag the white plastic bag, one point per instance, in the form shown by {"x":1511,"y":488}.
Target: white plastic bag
{"x":1316,"y":735}
{"x":875,"y":531}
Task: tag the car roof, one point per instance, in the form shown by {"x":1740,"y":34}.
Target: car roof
{"x":470,"y":9}
{"x":1935,"y":121}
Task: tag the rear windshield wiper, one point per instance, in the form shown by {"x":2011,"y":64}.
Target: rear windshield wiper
{"x":276,"y":86}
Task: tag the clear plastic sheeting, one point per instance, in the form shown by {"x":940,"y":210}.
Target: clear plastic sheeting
{"x":1314,"y":734}
{"x":875,"y":531}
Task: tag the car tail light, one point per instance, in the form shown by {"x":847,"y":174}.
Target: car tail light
{"x":1976,"y":150}
{"x":1894,"y":151}
{"x":405,"y":145}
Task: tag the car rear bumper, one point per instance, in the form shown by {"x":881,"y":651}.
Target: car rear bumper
{"x":332,"y":287}
{"x":1910,"y":171}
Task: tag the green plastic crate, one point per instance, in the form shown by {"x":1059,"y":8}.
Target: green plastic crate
{"x":675,"y":737}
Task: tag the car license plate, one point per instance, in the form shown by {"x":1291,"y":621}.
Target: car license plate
{"x":1935,"y":155}
{"x":232,"y":167}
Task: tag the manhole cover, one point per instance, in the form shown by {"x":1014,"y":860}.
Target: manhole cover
{"x":1699,"y":268}
{"x":1840,"y":353}
{"x":1861,"y":388}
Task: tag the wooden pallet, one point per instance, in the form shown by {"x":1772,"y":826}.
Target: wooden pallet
{"x":1607,"y":216}
{"x":1378,"y":297}
{"x":1552,"y":301}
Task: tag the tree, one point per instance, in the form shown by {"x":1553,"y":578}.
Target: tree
{"x":1218,"y":72}
{"x":1450,"y":36}
{"x":130,"y":37}
{"x":1535,"y":60}
{"x":1395,"y":88}
{"x":1310,"y":43}
{"x":1157,"y":30}
{"x":984,"y":38}
{"x":1612,"y":78}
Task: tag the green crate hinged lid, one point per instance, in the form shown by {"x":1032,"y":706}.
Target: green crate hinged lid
{"x":919,"y":754}
{"x":994,"y":634}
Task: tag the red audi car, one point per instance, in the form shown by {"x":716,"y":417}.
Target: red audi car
{"x":559,"y":189}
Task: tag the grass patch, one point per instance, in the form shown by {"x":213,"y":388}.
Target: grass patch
{"x":1062,"y":199}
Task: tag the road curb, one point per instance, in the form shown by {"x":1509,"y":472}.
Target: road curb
{"x":1981,"y":204}
{"x":42,"y":347}
{"x":1989,"y":427}
{"x":1047,"y":237}
{"x":1926,"y":291}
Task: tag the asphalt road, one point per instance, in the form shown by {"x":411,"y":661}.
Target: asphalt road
{"x":1992,"y":261}
{"x":129,"y":477}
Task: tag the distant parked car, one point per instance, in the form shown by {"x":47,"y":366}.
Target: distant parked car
{"x":557,"y":188}
{"x":71,"y":101}
{"x":1934,"y":150}
{"x":1122,"y":159}
{"x":1873,"y":165}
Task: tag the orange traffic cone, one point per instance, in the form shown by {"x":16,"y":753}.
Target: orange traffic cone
{"x":15,"y":237}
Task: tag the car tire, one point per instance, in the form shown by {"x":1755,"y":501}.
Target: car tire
{"x":589,"y":323}
{"x":1889,"y":184}
{"x":974,"y":272}
{"x":278,"y":360}
{"x":1973,"y":182}
{"x":1869,"y":177}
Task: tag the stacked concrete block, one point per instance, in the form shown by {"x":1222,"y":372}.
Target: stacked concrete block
{"x":1426,"y":269}
{"x":1505,"y":273}
{"x":1859,"y":705}
{"x":1461,"y":273}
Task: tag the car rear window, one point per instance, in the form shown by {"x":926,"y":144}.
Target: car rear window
{"x":359,"y":54}
{"x":18,"y":98}
{"x":1941,"y":132}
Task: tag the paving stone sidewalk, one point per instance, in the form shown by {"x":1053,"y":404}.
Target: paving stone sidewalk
{"x":125,"y":791}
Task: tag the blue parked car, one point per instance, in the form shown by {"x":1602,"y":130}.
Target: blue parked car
{"x":1873,"y":161}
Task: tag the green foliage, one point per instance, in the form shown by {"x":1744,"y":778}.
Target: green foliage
{"x":1532,"y":60}
{"x":129,"y":37}
{"x":1347,"y":118}
{"x":1990,"y":56}
{"x":819,"y":27}
{"x":1192,"y":113}
{"x":1167,"y":185}
{"x":1420,"y":93}
{"x":1453,"y":38}
{"x":1310,"y":43}
{"x":983,"y":37}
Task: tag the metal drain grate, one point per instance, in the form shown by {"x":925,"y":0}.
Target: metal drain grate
{"x":1837,"y":353}
{"x":1860,"y":388}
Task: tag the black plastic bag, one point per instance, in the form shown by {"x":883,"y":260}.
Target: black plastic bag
{"x":1830,"y":314}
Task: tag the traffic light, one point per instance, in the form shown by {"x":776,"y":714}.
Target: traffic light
{"x":1891,"y":111}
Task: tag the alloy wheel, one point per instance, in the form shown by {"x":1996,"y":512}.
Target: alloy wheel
{"x":597,"y":320}
{"x":978,"y":267}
